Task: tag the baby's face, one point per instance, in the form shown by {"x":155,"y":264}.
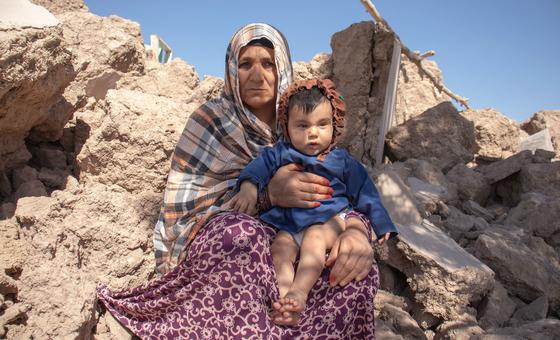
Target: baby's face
{"x":311,"y":133}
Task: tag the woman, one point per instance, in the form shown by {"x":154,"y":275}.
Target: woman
{"x":219,"y":279}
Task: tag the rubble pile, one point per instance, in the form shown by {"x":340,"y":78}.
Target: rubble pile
{"x":88,"y":125}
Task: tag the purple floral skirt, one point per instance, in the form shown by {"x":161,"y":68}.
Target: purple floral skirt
{"x":225,"y":288}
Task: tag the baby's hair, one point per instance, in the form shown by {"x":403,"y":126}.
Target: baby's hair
{"x":307,"y":100}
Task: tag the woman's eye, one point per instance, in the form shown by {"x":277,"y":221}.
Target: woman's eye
{"x":268,"y":64}
{"x":244,"y":65}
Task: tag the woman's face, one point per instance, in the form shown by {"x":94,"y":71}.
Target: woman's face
{"x":258,"y":80}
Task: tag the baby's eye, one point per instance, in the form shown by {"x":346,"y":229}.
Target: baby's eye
{"x":302,"y":126}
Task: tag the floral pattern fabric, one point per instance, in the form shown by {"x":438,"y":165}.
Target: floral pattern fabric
{"x":224,"y":290}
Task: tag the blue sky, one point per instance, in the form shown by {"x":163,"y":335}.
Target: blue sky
{"x":503,"y":54}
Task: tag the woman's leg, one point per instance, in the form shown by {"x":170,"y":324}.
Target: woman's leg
{"x":224,"y":290}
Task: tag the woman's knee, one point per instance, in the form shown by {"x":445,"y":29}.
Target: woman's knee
{"x":240,"y":230}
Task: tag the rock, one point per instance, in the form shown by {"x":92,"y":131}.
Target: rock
{"x":543,"y":178}
{"x":440,"y":135}
{"x":548,"y":119}
{"x":427,"y":194}
{"x":55,"y":179}
{"x":497,"y":136}
{"x":543,"y":156}
{"x":23,"y":14}
{"x":7,"y":285}
{"x":471,"y":184}
{"x":5,"y":186}
{"x":32,"y":210}
{"x":496,"y":308}
{"x":473,"y":208}
{"x":462,"y":328}
{"x":547,"y":329}
{"x":32,"y":188}
{"x":61,"y":6}
{"x":538,"y":141}
{"x":458,"y":223}
{"x":536,"y":213}
{"x":353,"y":75}
{"x":36,"y":69}
{"x":522,"y":271}
{"x":99,"y":68}
{"x":138,"y":129}
{"x":534,"y":311}
{"x":23,"y":175}
{"x":497,"y":171}
{"x":454,"y":278}
{"x":50,"y":157}
{"x":175,"y":80}
{"x":415,"y":92}
{"x":319,"y":67}
{"x":7,"y":210}
{"x":117,"y":330}
{"x":402,"y":322}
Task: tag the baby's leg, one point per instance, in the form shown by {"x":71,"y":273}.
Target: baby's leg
{"x":316,"y":240}
{"x":284,"y":251}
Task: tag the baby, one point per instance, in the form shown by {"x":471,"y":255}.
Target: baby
{"x":311,"y":115}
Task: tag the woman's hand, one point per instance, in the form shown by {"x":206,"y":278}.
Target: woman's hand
{"x":292,"y":188}
{"x":352,"y":256}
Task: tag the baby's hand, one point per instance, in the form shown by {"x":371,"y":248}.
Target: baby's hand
{"x":245,"y":200}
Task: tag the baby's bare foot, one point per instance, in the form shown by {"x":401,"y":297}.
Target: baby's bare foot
{"x":287,"y":310}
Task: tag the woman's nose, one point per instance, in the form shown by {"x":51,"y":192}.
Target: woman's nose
{"x":256,"y":73}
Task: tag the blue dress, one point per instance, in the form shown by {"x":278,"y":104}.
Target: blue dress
{"x":353,"y":188}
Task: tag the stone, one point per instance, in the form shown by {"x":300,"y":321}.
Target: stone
{"x":61,"y":6}
{"x":497,"y":171}
{"x":151,"y":123}
{"x":463,"y":328}
{"x":36,"y":69}
{"x":415,"y":92}
{"x":496,"y":308}
{"x":546,"y":119}
{"x":458,"y":224}
{"x":536,"y":213}
{"x":473,"y":208}
{"x":455,"y":277}
{"x":543,"y":156}
{"x":522,"y":271}
{"x":7,"y":210}
{"x":534,"y":311}
{"x":51,"y":158}
{"x":22,"y":175}
{"x":5,"y":186}
{"x":497,"y":136}
{"x":540,"y":140}
{"x":543,"y":178}
{"x":319,"y":67}
{"x":23,"y":14}
{"x":31,"y":188}
{"x":547,"y":329}
{"x":55,"y":179}
{"x":426,"y":194}
{"x":175,"y":80}
{"x":353,"y":74}
{"x":440,"y":135}
{"x":402,"y":321}
{"x":471,"y":184}
{"x":31,"y":210}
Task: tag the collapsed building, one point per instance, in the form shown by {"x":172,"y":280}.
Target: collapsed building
{"x":86,"y":136}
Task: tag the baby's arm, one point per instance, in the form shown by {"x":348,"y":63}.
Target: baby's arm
{"x":364,"y":197}
{"x":245,"y":200}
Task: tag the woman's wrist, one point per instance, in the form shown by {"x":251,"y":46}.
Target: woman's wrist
{"x":263,"y":201}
